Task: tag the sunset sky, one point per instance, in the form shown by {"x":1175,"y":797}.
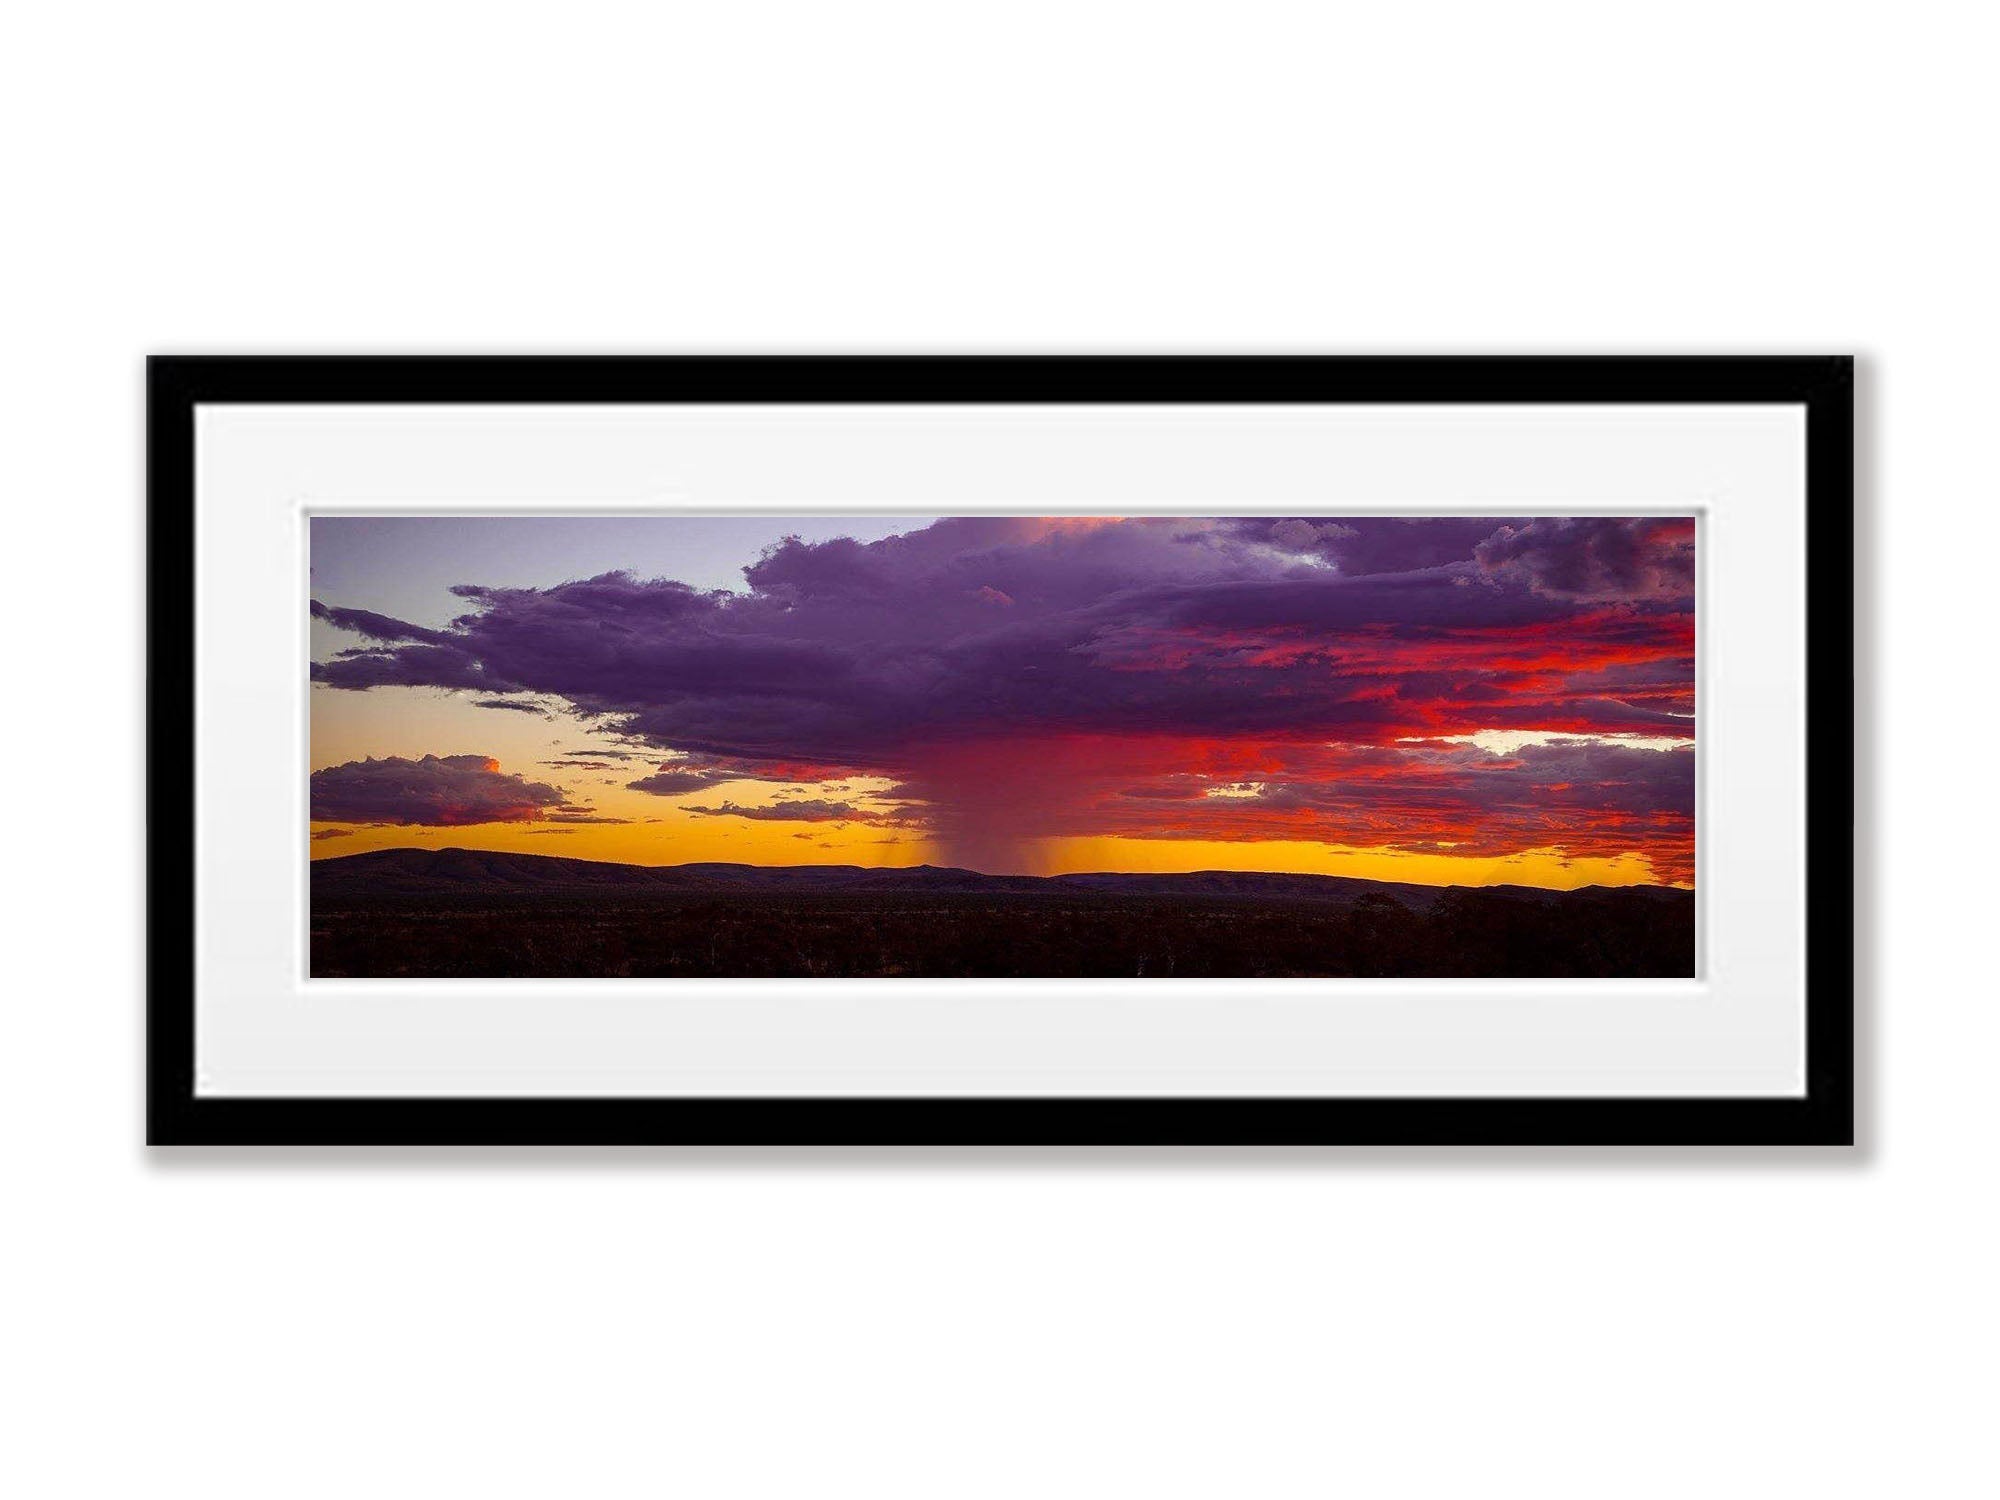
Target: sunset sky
{"x":1443,"y":700}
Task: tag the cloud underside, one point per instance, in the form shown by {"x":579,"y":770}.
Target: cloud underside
{"x":447,"y":791}
{"x":1237,"y":679}
{"x":801,"y":810}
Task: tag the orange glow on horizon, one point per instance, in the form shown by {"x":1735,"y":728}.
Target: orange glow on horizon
{"x":1538,"y":867}
{"x":695,"y":841}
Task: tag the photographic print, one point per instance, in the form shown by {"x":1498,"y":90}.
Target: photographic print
{"x":1064,"y":751}
{"x":1317,"y":746}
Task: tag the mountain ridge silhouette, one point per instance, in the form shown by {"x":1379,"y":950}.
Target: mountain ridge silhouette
{"x":408,"y":871}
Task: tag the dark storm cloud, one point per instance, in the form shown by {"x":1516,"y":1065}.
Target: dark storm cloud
{"x":407,"y":666}
{"x":439,"y":791}
{"x":801,"y":810}
{"x":377,"y":627}
{"x":1408,"y":604}
{"x":519,"y":708}
{"x":1359,"y":545}
{"x":332,"y":833}
{"x":850,"y":654}
{"x":1595,"y":558}
{"x":676,"y":783}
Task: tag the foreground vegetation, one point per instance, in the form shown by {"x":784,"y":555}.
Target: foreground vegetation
{"x":1462,"y":933}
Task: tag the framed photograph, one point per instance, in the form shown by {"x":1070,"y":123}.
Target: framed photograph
{"x":1001,"y":751}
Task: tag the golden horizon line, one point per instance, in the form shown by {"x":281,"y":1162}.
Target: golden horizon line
{"x":751,"y":864}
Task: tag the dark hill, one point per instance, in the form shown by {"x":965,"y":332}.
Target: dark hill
{"x":479,"y":914}
{"x":473,"y":872}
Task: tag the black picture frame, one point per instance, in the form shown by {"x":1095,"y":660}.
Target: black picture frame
{"x":1823,"y":1115}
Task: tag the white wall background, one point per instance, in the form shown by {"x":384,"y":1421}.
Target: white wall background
{"x":1438,"y":177}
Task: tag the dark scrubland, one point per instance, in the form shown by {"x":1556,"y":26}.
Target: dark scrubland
{"x":476,"y":914}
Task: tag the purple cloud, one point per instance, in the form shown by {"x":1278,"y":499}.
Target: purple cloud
{"x":408,"y":666}
{"x":674,"y":783}
{"x":437,"y":791}
{"x":377,"y":627}
{"x":798,"y":810}
{"x":1595,"y":558}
